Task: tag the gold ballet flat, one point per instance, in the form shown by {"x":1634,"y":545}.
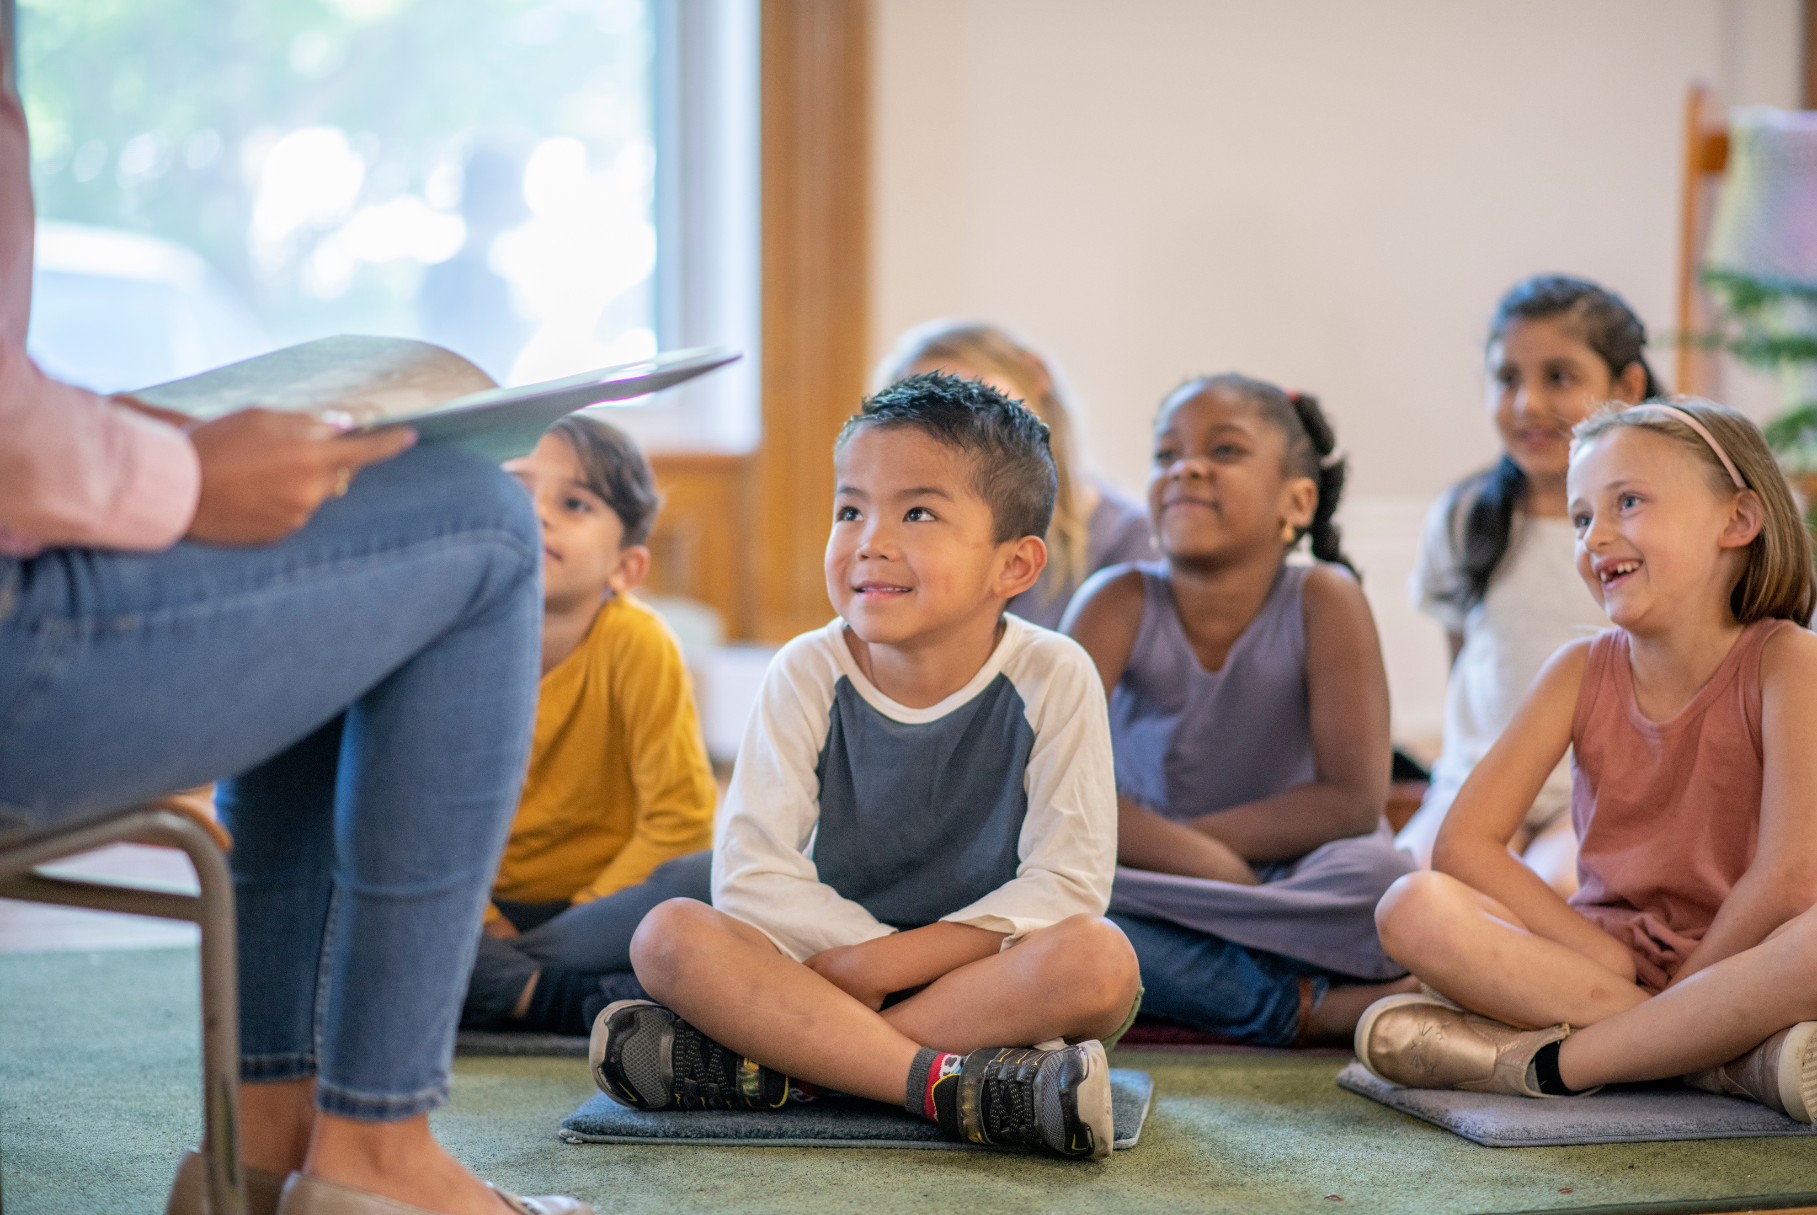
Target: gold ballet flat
{"x":1420,"y":1041}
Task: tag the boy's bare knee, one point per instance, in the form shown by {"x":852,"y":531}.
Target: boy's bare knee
{"x":668,"y":938}
{"x":1096,"y":964}
{"x":1123,"y":972}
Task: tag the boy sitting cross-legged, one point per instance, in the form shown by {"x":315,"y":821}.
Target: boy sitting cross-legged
{"x":925,"y":783}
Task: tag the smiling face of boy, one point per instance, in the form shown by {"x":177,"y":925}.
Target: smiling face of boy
{"x":912,"y":561}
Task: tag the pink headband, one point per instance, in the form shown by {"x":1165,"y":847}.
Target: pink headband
{"x":1705,"y":435}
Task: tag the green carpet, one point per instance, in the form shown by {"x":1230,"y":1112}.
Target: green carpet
{"x":99,"y":1092}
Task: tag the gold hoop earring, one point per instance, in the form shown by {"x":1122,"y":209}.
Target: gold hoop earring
{"x":1289,"y":533}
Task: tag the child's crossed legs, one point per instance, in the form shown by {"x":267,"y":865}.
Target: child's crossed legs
{"x":1477,"y":952}
{"x":1075,"y":979}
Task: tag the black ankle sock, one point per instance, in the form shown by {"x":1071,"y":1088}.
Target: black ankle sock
{"x":1545,"y":1069}
{"x":558,"y":1005}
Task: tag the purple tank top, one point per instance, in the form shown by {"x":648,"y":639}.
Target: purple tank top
{"x":1188,"y":741}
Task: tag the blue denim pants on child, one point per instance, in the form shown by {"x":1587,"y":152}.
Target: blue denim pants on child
{"x":369,"y":684}
{"x":1208,"y":983}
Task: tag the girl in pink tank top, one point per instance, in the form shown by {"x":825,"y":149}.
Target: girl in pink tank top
{"x":1667,"y":813}
{"x":1690,"y":948}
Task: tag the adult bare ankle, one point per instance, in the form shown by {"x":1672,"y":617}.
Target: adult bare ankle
{"x":398,"y":1160}
{"x":276,"y":1121}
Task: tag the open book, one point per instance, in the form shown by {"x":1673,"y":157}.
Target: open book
{"x":366,"y":382}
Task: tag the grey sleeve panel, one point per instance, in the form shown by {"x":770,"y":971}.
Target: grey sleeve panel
{"x":760,"y":874}
{"x":918,"y":820}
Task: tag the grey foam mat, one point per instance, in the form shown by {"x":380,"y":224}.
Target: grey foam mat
{"x":1618,"y":1116}
{"x":481,"y":1042}
{"x":833,"y":1122}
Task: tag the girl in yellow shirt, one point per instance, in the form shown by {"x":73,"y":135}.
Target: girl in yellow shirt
{"x":617,"y":808}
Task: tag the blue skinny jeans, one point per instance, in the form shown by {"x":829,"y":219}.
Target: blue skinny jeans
{"x":367,"y":687}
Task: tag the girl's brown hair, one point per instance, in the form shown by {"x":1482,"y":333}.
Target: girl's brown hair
{"x":1777,"y":582}
{"x":986,"y":348}
{"x":616,"y":470}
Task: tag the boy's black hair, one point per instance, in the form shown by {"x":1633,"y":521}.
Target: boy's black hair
{"x":1012,"y":468}
{"x":612,"y":467}
{"x":1600,"y":319}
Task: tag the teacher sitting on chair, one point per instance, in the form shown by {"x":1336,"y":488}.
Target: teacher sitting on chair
{"x":351,"y":636}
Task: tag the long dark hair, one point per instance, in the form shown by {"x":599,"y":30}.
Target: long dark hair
{"x":1601,"y":320}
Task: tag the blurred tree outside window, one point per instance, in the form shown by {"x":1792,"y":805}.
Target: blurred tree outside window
{"x":218,"y":179}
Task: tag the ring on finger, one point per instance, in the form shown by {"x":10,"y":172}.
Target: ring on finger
{"x":343,"y":477}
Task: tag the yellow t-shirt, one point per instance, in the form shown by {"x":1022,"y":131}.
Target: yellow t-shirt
{"x":618,"y":780}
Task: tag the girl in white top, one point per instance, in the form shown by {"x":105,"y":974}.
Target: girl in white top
{"x":1496,"y":564}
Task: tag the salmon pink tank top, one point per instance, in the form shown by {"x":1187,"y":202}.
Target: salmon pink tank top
{"x":1667,"y":813}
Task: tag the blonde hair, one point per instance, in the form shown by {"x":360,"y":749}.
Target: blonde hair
{"x":989,"y":349}
{"x":1777,"y":582}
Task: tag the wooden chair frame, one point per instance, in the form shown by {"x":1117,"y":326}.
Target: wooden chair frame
{"x":212,"y":910}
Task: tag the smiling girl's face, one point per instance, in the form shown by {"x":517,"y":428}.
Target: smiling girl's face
{"x":1217,"y":487}
{"x":1653,"y":537}
{"x":1543,"y":380}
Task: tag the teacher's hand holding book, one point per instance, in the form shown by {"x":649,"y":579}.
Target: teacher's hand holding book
{"x":265,"y":471}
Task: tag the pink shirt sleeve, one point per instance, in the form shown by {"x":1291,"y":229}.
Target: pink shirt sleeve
{"x":75,"y":468}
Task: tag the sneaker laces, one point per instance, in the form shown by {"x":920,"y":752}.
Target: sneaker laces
{"x":1007,"y":1104}
{"x":706,"y":1073}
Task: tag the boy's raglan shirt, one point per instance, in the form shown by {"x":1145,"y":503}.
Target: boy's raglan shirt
{"x":851,"y":816}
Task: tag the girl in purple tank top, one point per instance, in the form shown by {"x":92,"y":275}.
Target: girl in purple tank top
{"x":1249,"y":724}
{"x":1690,"y":948}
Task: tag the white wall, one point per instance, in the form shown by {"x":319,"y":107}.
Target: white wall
{"x":1324,"y":193}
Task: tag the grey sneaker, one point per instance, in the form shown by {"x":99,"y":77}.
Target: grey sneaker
{"x":645,"y":1056}
{"x":1057,"y":1100}
{"x":1422,"y":1041}
{"x":1780,"y":1073}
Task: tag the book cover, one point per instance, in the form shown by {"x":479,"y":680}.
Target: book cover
{"x":367,"y":382}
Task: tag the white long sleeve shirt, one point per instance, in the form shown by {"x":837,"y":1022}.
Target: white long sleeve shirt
{"x":851,"y":816}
